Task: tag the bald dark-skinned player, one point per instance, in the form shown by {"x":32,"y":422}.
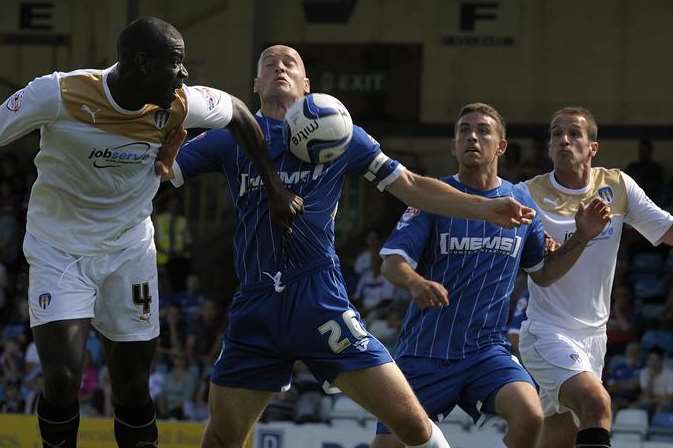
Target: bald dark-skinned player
{"x":89,"y":238}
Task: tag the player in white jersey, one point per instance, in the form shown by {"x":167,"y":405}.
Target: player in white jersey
{"x":563,"y":341}
{"x":89,"y":239}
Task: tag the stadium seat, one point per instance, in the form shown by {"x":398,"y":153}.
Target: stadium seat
{"x":346,"y":409}
{"x":631,"y":421}
{"x":657,"y":338}
{"x":646,"y":285}
{"x":649,"y":262}
{"x":661,"y":427}
{"x":458,"y":417}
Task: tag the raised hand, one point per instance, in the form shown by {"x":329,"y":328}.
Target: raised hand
{"x":163,"y":165}
{"x":591,"y":220}
{"x":550,"y":244}
{"x":508,"y":213}
{"x":428,"y":294}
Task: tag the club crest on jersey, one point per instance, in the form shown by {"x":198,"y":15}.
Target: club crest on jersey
{"x":44,"y":300}
{"x":409,"y":214}
{"x":161,"y":117}
{"x":15,"y":101}
{"x":211,"y":96}
{"x":606,"y":194}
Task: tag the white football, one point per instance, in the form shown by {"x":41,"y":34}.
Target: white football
{"x":319,"y":128}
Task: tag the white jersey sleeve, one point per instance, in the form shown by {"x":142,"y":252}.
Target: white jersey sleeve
{"x":207,"y":107}
{"x":644,"y":215}
{"x":35,"y":105}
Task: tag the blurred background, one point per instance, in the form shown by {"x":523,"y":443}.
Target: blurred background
{"x":403,"y":68}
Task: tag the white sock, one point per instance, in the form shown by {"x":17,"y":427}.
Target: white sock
{"x":436,"y":439}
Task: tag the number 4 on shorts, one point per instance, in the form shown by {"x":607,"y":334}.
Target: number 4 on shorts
{"x":140,"y":292}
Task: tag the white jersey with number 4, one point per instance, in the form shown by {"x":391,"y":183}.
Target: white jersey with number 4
{"x":581,"y":298}
{"x":95,"y":168}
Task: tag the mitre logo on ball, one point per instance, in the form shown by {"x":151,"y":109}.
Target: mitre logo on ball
{"x":319,"y":128}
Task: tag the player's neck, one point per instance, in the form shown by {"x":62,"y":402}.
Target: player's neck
{"x":478,"y":179}
{"x":574,"y":178}
{"x":124,"y":97}
{"x":274,"y":109}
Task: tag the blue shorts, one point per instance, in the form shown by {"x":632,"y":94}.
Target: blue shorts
{"x":470,"y":383}
{"x":310,"y":320}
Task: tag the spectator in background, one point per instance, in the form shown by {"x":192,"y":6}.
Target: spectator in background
{"x":106,"y":390}
{"x":363,"y":262}
{"x":312,"y":404}
{"x":646,"y":172}
{"x":31,"y":362}
{"x":12,"y":402}
{"x":197,"y":409}
{"x":620,"y":327}
{"x":4,"y":282}
{"x":374,"y":291}
{"x":538,"y":161}
{"x":386,"y":327}
{"x":204,"y":339}
{"x":89,"y":393}
{"x":173,"y":241}
{"x":178,"y":388}
{"x":510,"y":164}
{"x":190,"y":300}
{"x":172,"y":333}
{"x":11,"y":361}
{"x":9,"y":225}
{"x":623,"y":378}
{"x":656,"y":384}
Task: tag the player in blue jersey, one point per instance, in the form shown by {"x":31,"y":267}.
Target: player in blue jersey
{"x":293,"y":304}
{"x":456,"y":352}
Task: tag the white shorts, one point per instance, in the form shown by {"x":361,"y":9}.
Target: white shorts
{"x":553,"y":356}
{"x":118,"y":291}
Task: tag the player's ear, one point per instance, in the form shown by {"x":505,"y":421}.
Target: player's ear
{"x":307,"y":86}
{"x":594,"y":148}
{"x":502,"y":146}
{"x":254,"y":85}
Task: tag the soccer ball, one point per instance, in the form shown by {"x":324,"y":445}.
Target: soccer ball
{"x":318,"y":128}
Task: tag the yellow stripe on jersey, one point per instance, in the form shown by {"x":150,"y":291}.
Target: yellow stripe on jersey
{"x":606,"y":184}
{"x":84,"y":98}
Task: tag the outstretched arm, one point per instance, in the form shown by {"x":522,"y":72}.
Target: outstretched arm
{"x":438,"y":197}
{"x":589,"y":221}
{"x":425,"y":293}
{"x":284,"y":206}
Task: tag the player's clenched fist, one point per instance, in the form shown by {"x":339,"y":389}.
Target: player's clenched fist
{"x":591,"y":220}
{"x":428,"y":294}
{"x":507,"y":212}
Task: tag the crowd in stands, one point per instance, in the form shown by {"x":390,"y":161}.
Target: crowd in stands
{"x":638,"y":370}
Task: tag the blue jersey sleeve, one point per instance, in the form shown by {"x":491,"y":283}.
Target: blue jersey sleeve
{"x":205,"y":153}
{"x":364,"y":156}
{"x":532,"y":256}
{"x":410,"y":236}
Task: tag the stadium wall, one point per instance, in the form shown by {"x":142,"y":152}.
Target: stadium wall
{"x":20,"y":431}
